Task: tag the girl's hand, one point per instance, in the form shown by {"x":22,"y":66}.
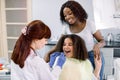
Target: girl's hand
{"x":98,"y":64}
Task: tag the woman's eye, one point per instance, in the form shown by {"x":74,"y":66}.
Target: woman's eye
{"x":70,"y":13}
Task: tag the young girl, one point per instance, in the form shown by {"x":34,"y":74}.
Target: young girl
{"x":25,"y":63}
{"x":77,"y":66}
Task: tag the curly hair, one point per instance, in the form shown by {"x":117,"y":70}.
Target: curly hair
{"x":78,"y":11}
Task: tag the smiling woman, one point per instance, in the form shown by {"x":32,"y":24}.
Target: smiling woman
{"x":48,"y":12}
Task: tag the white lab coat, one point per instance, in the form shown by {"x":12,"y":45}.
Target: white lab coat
{"x":35,"y":68}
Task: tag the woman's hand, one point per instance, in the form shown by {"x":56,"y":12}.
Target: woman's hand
{"x":96,"y":49}
{"x":61,"y":60}
{"x":53,"y":58}
{"x":100,"y":43}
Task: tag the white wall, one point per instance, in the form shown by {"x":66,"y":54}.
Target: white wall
{"x":104,"y":11}
{"x":48,"y":11}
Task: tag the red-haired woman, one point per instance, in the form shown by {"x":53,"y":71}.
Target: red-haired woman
{"x":25,"y":63}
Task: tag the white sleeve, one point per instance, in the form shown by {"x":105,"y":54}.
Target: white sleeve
{"x":44,"y":72}
{"x":92,"y":27}
{"x":55,"y":68}
{"x":64,"y":29}
{"x":56,"y":72}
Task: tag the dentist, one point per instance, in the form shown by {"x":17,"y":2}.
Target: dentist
{"x":25,"y":63}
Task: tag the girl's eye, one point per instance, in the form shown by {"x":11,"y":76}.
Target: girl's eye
{"x":64,"y":15}
{"x":70,"y":44}
{"x":64,"y":44}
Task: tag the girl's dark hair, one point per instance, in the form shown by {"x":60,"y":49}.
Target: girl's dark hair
{"x":80,"y":50}
{"x":77,"y":10}
{"x":35,"y":30}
